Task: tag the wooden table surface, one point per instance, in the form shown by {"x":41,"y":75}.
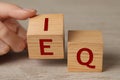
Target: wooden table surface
{"x":101,"y":15}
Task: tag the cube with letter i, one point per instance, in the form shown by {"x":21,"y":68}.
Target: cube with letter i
{"x":85,"y":51}
{"x":45,"y":37}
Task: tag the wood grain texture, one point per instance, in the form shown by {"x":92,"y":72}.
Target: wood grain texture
{"x":55,"y":32}
{"x":85,"y":39}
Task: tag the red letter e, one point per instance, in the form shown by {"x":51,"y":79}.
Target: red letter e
{"x":42,"y":46}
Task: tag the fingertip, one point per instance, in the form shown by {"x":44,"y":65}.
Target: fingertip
{"x":22,"y":32}
{"x":30,"y":12}
{"x":20,"y":47}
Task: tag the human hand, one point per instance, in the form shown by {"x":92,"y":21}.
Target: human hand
{"x":12,"y":35}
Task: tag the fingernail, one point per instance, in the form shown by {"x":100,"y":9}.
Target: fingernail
{"x":29,"y":10}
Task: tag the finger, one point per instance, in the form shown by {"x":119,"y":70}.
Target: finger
{"x":22,"y":32}
{"x":4,"y":48}
{"x":14,"y":26}
{"x":11,"y":24}
{"x":10,"y":10}
{"x":16,"y":43}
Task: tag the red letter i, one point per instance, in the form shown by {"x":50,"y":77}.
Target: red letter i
{"x":46,"y":24}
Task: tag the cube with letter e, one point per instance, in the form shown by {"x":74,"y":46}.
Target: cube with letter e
{"x":85,"y":51}
{"x":45,"y":37}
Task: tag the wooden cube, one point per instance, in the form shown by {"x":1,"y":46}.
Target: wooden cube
{"x":45,"y":37}
{"x":85,"y":51}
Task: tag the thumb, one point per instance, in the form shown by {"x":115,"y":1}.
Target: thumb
{"x":10,"y":10}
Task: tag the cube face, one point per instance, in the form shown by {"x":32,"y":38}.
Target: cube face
{"x":91,"y":47}
{"x":46,"y":44}
{"x":37,"y":25}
